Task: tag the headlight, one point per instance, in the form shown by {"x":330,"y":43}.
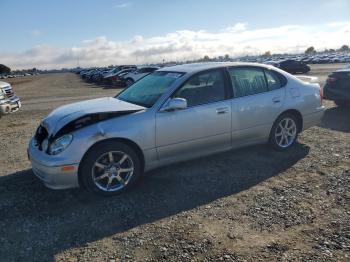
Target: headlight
{"x":60,"y":144}
{"x":2,"y":95}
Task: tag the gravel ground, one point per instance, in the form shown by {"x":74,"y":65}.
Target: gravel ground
{"x":246,"y":205}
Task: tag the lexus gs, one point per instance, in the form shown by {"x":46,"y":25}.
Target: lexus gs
{"x":173,"y":114}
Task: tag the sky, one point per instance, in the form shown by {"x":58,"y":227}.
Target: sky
{"x":66,"y":33}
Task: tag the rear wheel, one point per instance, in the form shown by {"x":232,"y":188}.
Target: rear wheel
{"x":284,"y":132}
{"x":110,"y":168}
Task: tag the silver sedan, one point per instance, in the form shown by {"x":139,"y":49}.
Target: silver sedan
{"x":174,"y":114}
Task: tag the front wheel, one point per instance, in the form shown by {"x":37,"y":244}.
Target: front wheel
{"x":110,"y":168}
{"x":284,"y":132}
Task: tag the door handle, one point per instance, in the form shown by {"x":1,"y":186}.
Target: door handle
{"x":276,"y":99}
{"x":222,"y":110}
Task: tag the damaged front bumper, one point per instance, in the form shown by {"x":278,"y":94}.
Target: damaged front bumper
{"x":54,"y":175}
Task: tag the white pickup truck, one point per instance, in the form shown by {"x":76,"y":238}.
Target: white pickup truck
{"x":9,"y":102}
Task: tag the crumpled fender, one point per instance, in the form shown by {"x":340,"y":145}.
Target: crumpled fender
{"x":89,"y":119}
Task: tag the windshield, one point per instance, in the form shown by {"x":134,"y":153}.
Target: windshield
{"x":115,"y":70}
{"x":147,"y":90}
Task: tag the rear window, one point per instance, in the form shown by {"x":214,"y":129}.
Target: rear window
{"x":340,"y":75}
{"x":247,"y":81}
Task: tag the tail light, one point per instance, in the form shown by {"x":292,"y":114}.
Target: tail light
{"x":321,"y":95}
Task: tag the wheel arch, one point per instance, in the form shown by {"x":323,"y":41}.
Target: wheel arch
{"x":129,"y":78}
{"x":298,"y":116}
{"x":126,"y":141}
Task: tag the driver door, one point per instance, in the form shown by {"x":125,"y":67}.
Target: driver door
{"x":204,"y":126}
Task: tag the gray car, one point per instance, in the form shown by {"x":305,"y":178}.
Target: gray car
{"x":9,"y":102}
{"x":174,"y":114}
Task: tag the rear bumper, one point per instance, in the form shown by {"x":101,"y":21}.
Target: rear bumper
{"x":10,"y":105}
{"x":314,"y":118}
{"x":335,"y":94}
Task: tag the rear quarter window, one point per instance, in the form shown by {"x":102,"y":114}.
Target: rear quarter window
{"x":274,"y":79}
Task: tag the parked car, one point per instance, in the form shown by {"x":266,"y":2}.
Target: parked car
{"x":116,"y":80}
{"x":132,"y":77}
{"x":293,"y":67}
{"x":87,"y":73}
{"x":97,"y":77}
{"x":9,"y":102}
{"x":112,"y":71}
{"x":111,"y":75}
{"x":174,"y":114}
{"x":337,"y":87}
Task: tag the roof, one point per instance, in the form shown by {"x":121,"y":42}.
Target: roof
{"x":196,"y":67}
{"x":344,"y":70}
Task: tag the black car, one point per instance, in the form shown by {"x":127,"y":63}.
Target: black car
{"x":293,"y":66}
{"x":337,"y":87}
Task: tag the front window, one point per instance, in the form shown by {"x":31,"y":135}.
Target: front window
{"x":203,"y":88}
{"x":147,"y":90}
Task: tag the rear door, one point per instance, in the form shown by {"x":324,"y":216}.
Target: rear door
{"x":258,"y":99}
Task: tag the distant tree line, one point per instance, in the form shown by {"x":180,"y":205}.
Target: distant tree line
{"x":4,"y":69}
{"x":312,"y":50}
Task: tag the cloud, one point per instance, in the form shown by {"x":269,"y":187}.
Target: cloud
{"x":236,"y":28}
{"x":122,"y":5}
{"x":36,"y":33}
{"x":237,"y":40}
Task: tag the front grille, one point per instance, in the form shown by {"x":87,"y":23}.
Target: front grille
{"x":8,"y":92}
{"x":40,"y":135}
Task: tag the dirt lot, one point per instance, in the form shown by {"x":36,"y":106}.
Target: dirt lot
{"x":249,"y":204}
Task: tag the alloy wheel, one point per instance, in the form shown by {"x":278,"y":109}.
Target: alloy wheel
{"x":112,"y":171}
{"x":286,"y":132}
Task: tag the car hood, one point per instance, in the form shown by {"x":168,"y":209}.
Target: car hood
{"x":3,"y":84}
{"x":112,"y":74}
{"x":64,"y":115}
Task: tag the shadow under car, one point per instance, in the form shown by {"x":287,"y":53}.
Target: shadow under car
{"x":41,"y":222}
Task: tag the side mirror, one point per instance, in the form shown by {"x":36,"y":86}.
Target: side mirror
{"x":174,"y":104}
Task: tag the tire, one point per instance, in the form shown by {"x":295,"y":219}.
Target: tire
{"x":129,"y":82}
{"x":113,"y":163}
{"x":283,"y":139}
